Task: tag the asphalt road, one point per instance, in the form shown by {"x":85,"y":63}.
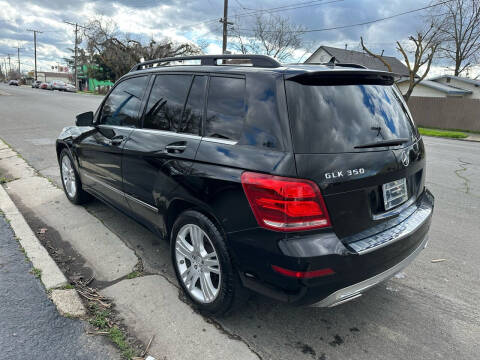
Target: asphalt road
{"x":31,"y":327}
{"x":430,"y":311}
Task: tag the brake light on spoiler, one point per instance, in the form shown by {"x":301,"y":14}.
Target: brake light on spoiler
{"x":285,"y":204}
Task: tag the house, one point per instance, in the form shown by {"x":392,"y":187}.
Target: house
{"x":444,"y":86}
{"x":446,"y":102}
{"x":432,"y":89}
{"x":88,"y":83}
{"x":47,"y":76}
{"x":461,"y":83}
{"x":325,"y":53}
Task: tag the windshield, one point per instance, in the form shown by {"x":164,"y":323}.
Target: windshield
{"x":342,"y":118}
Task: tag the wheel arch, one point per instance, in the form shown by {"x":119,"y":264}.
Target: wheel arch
{"x":178,"y":206}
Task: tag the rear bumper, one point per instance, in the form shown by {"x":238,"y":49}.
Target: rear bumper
{"x":356,"y":290}
{"x":359,"y":262}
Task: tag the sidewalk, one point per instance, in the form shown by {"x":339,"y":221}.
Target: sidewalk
{"x":473,"y":137}
{"x":31,"y":327}
{"x":150,"y":304}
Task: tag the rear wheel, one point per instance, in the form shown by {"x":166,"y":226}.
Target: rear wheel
{"x":203,"y":265}
{"x":71,"y":181}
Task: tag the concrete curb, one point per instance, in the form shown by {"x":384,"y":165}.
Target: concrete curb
{"x":50,"y":274}
{"x":458,"y":139}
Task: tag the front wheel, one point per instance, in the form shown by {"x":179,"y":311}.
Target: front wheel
{"x":70,"y":180}
{"x":203,"y":264}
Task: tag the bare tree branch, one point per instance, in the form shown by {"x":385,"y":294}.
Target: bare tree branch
{"x":425,"y":45}
{"x":387,"y":65}
{"x":458,"y":24}
{"x":271,"y":35}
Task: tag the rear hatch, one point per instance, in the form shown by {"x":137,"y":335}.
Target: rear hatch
{"x":353,"y":135}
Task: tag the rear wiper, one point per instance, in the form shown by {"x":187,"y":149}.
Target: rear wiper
{"x":382,"y":143}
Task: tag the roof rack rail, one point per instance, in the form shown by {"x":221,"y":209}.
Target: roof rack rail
{"x":256,"y":60}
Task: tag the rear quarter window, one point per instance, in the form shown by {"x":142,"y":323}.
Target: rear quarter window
{"x":225,"y":108}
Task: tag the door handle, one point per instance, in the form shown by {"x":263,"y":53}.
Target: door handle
{"x":117,"y":140}
{"x":176,"y":148}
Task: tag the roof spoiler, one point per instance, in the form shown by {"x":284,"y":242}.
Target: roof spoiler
{"x":211,"y":60}
{"x":344,"y":77}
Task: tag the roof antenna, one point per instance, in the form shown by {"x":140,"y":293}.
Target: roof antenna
{"x":332,"y":61}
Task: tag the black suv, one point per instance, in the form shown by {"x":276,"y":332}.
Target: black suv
{"x":301,"y":182}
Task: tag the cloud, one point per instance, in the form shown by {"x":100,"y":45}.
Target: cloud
{"x":197,"y":21}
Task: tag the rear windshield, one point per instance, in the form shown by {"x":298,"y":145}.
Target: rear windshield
{"x":337,"y":118}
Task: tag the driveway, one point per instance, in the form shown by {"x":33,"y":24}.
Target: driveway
{"x":430,"y":311}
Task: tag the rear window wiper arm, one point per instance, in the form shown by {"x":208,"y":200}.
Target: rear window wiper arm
{"x":382,"y":143}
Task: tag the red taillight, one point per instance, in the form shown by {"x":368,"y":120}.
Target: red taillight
{"x":303,"y":274}
{"x":285,"y":204}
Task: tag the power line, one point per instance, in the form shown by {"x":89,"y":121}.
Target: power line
{"x":303,"y":4}
{"x":378,"y":20}
{"x":299,"y":5}
{"x":361,"y":23}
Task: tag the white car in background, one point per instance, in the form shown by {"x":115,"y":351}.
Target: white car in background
{"x":70,"y":88}
{"x":57,"y":85}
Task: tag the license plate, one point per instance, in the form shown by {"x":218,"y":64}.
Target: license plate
{"x":394,"y":193}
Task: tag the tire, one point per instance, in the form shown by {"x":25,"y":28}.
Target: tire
{"x":218,"y":294}
{"x":71,"y":183}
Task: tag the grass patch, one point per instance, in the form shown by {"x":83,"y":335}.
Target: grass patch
{"x":89,"y":93}
{"x":134,"y":274}
{"x":3,"y":180}
{"x":443,"y":133}
{"x":117,"y":336}
{"x":36,"y":272}
{"x":67,"y":287}
{"x":102,"y":320}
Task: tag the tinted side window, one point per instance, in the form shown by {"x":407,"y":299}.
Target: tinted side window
{"x":192,"y":115}
{"x":225,"y":108}
{"x":166,"y":102}
{"x":123,"y":104}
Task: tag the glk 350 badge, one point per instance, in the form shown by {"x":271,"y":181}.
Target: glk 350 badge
{"x":344,"y":173}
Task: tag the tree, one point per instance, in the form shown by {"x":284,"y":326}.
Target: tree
{"x":425,"y":45}
{"x":116,"y":53}
{"x":458,"y":24}
{"x":14,"y":75}
{"x":271,"y":35}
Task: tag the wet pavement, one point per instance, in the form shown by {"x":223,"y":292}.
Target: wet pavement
{"x":30,"y":325}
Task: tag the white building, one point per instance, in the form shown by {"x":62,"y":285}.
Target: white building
{"x":429,"y":88}
{"x":444,"y":86}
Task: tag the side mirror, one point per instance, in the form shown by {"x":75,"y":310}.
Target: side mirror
{"x":85,"y":119}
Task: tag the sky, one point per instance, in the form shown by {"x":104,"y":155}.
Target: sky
{"x":197,"y":21}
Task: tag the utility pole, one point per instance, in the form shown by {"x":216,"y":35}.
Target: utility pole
{"x":76,"y":49}
{"x":9,"y":65}
{"x":18,"y":57}
{"x":35,"y":47}
{"x":225,"y":22}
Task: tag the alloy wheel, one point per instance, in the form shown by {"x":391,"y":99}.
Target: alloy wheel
{"x":68,"y":177}
{"x":197,"y":263}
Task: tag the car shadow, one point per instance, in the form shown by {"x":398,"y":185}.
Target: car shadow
{"x":390,"y":321}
